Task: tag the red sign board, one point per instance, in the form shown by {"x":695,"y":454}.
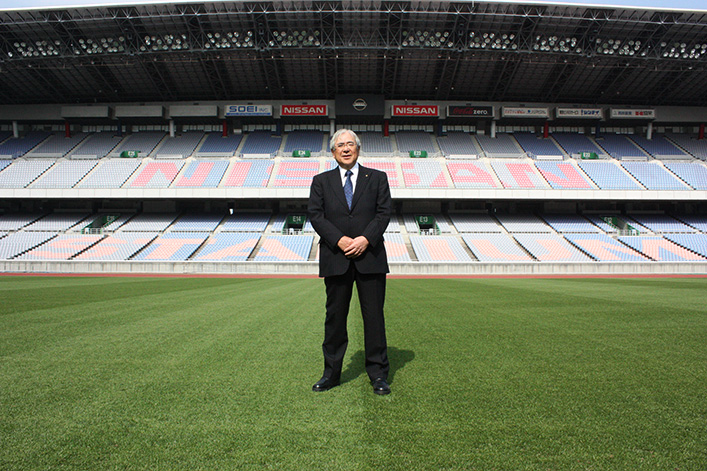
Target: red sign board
{"x":415,"y":110}
{"x":304,"y":110}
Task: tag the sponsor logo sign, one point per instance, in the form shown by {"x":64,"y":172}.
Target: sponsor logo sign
{"x":248,"y":110}
{"x":465,"y":110}
{"x":513,"y":112}
{"x":304,"y":110}
{"x":618,"y":113}
{"x":584,"y":113}
{"x":415,"y":110}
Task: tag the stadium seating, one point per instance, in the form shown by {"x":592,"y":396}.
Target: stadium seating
{"x":197,"y":222}
{"x":438,"y":249}
{"x":570,"y":223}
{"x":157,"y":174}
{"x":608,"y":175}
{"x":575,"y":144}
{"x":375,"y":144}
{"x":261,"y":143}
{"x":522,"y":223}
{"x":563,"y":175}
{"x":218,"y":145}
{"x":537,"y":146}
{"x":285,"y":248}
{"x":95,"y":146}
{"x":16,"y":221}
{"x":248,"y":174}
{"x":692,"y":173}
{"x":118,"y":246}
{"x":65,"y":174}
{"x":471,"y":174}
{"x":661,"y":223}
{"x":395,"y":248}
{"x":180,"y":146}
{"x":659,"y":147}
{"x":604,"y":249}
{"x":143,"y":142}
{"x":660,"y":249}
{"x":696,"y":243}
{"x":295,"y":173}
{"x":110,"y":173}
{"x":458,"y":143}
{"x":620,"y":146}
{"x":387,"y":166}
{"x":57,"y":222}
{"x":495,"y":248}
{"x":172,"y":246}
{"x":518,"y":174}
{"x":149,"y":222}
{"x":653,"y":176}
{"x":550,"y":248}
{"x":690,"y":143}
{"x":409,"y":141}
{"x":501,"y":146}
{"x":202,"y":174}
{"x":697,"y":221}
{"x":312,"y":141}
{"x":56,"y":145}
{"x":61,"y":247}
{"x":228,"y":246}
{"x":420,"y":173}
{"x":18,"y":146}
{"x":245,"y":222}
{"x":464,"y":222}
{"x":23,"y":172}
{"x":16,"y":243}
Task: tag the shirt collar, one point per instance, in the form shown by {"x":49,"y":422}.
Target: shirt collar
{"x":354,"y":170}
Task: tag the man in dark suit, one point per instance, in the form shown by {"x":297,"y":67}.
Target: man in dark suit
{"x":350,"y":208}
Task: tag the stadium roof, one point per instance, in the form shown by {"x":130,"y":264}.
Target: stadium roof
{"x":305,"y":50}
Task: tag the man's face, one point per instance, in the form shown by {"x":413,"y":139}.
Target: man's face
{"x":345,"y":151}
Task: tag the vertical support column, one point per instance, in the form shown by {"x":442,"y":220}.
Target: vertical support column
{"x":171,"y":128}
{"x":649,"y":131}
{"x":67,"y":129}
{"x":493,"y":129}
{"x":224,"y":128}
{"x":15,"y":130}
{"x":546,"y":130}
{"x":701,"y":134}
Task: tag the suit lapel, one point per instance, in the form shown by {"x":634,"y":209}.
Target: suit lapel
{"x":336,"y":186}
{"x":362,"y":181}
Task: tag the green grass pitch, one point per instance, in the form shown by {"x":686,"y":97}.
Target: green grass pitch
{"x":488,"y":374}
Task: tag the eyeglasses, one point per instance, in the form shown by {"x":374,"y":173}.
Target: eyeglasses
{"x":341,"y":145}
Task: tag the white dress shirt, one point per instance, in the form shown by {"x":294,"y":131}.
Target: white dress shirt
{"x":354,"y":170}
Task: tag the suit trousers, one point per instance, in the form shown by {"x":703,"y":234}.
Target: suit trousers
{"x":371,"y":294}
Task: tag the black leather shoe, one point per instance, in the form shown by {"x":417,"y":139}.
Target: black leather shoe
{"x":325,"y":384}
{"x":380,"y":386}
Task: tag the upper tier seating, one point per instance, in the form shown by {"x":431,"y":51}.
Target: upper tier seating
{"x":118,"y":246}
{"x":96,"y":146}
{"x":438,"y":249}
{"x":248,"y":174}
{"x":563,"y":175}
{"x":19,"y":146}
{"x":228,"y":246}
{"x":602,"y":224}
{"x":538,"y":146}
{"x":575,"y":144}
{"x":110,"y":173}
{"x":57,"y":222}
{"x":604,"y":249}
{"x":523,"y":223}
{"x":696,"y":147}
{"x":415,"y":140}
{"x":550,"y":248}
{"x":149,"y":222}
{"x":501,"y":146}
{"x":61,"y":247}
{"x":570,"y":223}
{"x":495,"y":248}
{"x":197,"y":222}
{"x":173,"y":246}
{"x":518,"y":174}
{"x":653,"y":176}
{"x":202,"y":174}
{"x":144,"y":142}
{"x":181,"y":146}
{"x":65,"y":174}
{"x":661,"y":223}
{"x":660,"y":249}
{"x":696,"y":221}
{"x":285,"y":248}
{"x":374,"y":144}
{"x":312,"y":141}
{"x":659,"y":147}
{"x":395,"y":248}
{"x":608,"y":175}
{"x":16,"y":221}
{"x":692,"y":173}
{"x":423,"y":174}
{"x":619,"y":146}
{"x":475,"y":222}
{"x":260,"y":143}
{"x":457,"y":143}
{"x":15,"y":243}
{"x":218,"y":145}
{"x":471,"y":174}
{"x":57,"y":145}
{"x":694,"y":242}
{"x":23,"y":172}
{"x":157,"y":174}
{"x":296,"y":173}
{"x":246,"y":222}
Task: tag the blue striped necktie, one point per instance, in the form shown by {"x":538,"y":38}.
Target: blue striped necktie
{"x":348,"y":188}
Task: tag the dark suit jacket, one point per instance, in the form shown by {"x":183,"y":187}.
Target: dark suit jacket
{"x":369,"y":216}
